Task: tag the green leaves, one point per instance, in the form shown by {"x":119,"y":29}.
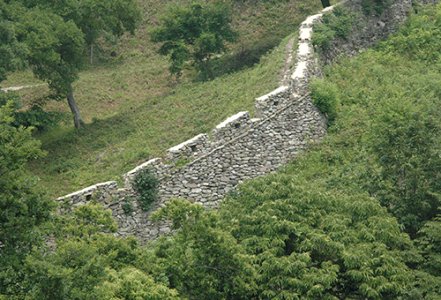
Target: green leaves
{"x":24,"y":209}
{"x":336,"y":23}
{"x":406,"y":139}
{"x":202,"y":260}
{"x":55,"y":48}
{"x":325,"y":97}
{"x":313,"y":243}
{"x":12,"y":52}
{"x":130,"y":283}
{"x":196,"y":31}
{"x":146,"y":184}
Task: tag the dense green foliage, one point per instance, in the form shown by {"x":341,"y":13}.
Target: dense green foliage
{"x":133,"y":110}
{"x":325,"y":97}
{"x":374,"y":6}
{"x":146,"y":184}
{"x":356,"y":217}
{"x":24,"y":210}
{"x":12,"y":52}
{"x":336,"y":23}
{"x":50,"y":37}
{"x":196,"y":32}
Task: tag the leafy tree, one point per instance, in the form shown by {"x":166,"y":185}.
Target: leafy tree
{"x":427,"y":284}
{"x":54,"y":33}
{"x":53,"y":48}
{"x":430,"y":242}
{"x":196,"y":32}
{"x":12,"y":52}
{"x":130,"y":283}
{"x":202,"y":261}
{"x":24,"y":209}
{"x":314,"y":243}
{"x":87,"y":263}
{"x":406,"y":141}
{"x":94,"y":17}
{"x":324,"y":96}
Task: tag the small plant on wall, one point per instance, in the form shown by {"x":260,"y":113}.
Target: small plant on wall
{"x":146,"y":184}
{"x":336,"y":23}
{"x":128,"y":205}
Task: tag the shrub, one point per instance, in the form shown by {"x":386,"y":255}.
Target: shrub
{"x":34,"y":116}
{"x":322,"y":36}
{"x":337,"y":22}
{"x":37,"y":117}
{"x":146,"y":184}
{"x":128,"y":205}
{"x":325,"y":97}
{"x":374,"y":6}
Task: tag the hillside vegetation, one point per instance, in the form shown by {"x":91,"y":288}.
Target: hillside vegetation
{"x":355,"y":217}
{"x":134,"y":109}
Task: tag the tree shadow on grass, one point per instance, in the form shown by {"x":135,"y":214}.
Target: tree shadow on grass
{"x":66,"y":146}
{"x":243,"y":59}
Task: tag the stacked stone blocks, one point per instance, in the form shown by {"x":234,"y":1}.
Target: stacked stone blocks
{"x":240,"y":148}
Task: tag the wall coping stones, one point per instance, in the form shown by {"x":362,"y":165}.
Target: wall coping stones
{"x":310,"y":20}
{"x":91,"y":189}
{"x":231,"y":119}
{"x":300,"y":70}
{"x":277,"y":91}
{"x":241,"y":148}
{"x":304,"y":49}
{"x":189,"y":148}
{"x":305,"y":34}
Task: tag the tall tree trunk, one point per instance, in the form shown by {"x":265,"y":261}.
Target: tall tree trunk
{"x":325,"y":3}
{"x":74,"y":109}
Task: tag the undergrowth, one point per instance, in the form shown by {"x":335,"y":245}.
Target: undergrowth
{"x":134,"y":110}
{"x":336,"y":23}
{"x":386,"y":135}
{"x":146,"y":183}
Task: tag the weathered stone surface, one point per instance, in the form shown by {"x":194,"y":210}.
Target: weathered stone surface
{"x":242,"y":148}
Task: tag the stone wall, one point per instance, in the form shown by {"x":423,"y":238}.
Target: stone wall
{"x":241,"y":147}
{"x":367,"y":30}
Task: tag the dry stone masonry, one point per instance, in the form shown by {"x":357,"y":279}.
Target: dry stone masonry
{"x":241,"y":147}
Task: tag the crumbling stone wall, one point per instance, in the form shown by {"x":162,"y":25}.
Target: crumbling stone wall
{"x":241,"y":147}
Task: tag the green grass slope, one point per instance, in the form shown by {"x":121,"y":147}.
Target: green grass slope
{"x":134,"y":109}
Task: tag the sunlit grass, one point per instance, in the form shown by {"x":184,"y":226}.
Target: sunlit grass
{"x":134,"y":110}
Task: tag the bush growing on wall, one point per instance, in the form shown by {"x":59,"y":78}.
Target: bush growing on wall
{"x":374,"y":6}
{"x":325,"y":97}
{"x":337,"y":22}
{"x":146,"y":184}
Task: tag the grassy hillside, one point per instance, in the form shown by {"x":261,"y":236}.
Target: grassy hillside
{"x":134,"y":109}
{"x":352,"y":218}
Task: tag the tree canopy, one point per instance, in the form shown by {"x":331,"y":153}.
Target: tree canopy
{"x":356,"y":217}
{"x":196,"y":31}
{"x":24,"y":210}
{"x":51,"y":35}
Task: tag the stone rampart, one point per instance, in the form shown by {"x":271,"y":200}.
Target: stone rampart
{"x":241,"y":147}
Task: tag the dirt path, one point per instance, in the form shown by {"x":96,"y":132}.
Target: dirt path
{"x":285,"y":72}
{"x":287,"y":62}
{"x":16,"y":88}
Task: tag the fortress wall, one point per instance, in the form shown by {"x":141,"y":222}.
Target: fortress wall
{"x":242,"y":147}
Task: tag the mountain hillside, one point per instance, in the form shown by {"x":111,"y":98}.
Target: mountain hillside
{"x":134,"y":109}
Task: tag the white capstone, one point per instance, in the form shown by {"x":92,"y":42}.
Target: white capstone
{"x":279,"y":90}
{"x":300,"y":70}
{"x":179,"y":147}
{"x":310,"y":20}
{"x":304,"y":49}
{"x":232,"y":119}
{"x":305,"y":34}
